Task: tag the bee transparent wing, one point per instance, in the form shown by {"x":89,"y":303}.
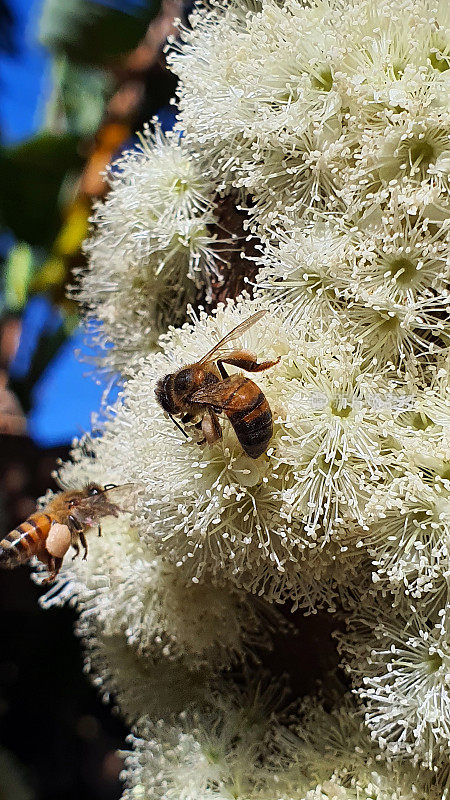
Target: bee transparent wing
{"x":222,"y":347}
{"x":113,"y":492}
{"x":110,"y":501}
{"x":217,"y":395}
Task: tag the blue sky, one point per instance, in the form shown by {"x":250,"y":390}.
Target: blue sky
{"x":24,"y":76}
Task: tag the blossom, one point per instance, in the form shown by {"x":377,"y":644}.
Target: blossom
{"x":217,"y":514}
{"x":134,"y":685}
{"x":309,"y":112}
{"x":325,"y":754}
{"x":408,"y":534}
{"x":338,"y":444}
{"x":304,"y":271}
{"x":130,"y":591}
{"x":216,"y":510}
{"x":385,"y":279}
{"x":410,"y":149}
{"x":399,"y":662}
{"x":403,"y":253}
{"x":257,"y":95}
{"x":214,"y":752}
{"x":393,"y":330}
{"x":149,"y":246}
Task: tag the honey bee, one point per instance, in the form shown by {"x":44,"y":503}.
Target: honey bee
{"x":48,"y":533}
{"x":205,"y":389}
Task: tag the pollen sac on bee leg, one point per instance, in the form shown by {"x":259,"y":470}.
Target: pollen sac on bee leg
{"x":58,"y":540}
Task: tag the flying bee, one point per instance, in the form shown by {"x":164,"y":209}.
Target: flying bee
{"x":48,"y":533}
{"x":205,"y":389}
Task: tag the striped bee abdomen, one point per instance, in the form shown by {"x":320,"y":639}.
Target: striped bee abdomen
{"x":25,"y":541}
{"x":251,"y":417}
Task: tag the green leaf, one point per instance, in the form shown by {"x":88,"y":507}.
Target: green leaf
{"x":32,"y":176}
{"x":92,"y":33}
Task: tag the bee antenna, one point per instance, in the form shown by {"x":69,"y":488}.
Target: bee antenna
{"x":178,"y":426}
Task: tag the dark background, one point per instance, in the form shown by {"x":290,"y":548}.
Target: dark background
{"x":62,"y":736}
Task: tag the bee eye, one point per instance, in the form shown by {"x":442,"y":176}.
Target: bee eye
{"x":183,"y":381}
{"x":164,"y":394}
{"x":93,"y":490}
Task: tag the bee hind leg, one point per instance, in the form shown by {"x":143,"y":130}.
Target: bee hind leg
{"x":54,"y":565}
{"x":84,"y":544}
{"x":210,"y":427}
{"x":222,"y":370}
{"x":75,"y":546}
{"x":246,"y":361}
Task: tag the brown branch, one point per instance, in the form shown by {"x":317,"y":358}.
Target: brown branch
{"x":235,"y":256}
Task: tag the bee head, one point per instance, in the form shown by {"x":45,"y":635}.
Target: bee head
{"x":78,"y":497}
{"x":104,"y":505}
{"x":164,"y":395}
{"x":93,"y":488}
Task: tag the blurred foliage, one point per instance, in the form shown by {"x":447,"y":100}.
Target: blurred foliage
{"x":74,"y":229}
{"x":91,"y":32}
{"x":101,"y":92}
{"x":33,"y":174}
{"x":29,"y":270}
{"x":17,"y":276}
{"x":78,"y":97}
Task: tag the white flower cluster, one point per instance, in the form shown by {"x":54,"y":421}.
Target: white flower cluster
{"x":329,"y":121}
{"x":150,"y":246}
{"x":337,"y":115}
{"x":132,"y":592}
{"x":242,"y":746}
{"x":306,"y":107}
{"x":401,"y":661}
{"x":385,"y":278}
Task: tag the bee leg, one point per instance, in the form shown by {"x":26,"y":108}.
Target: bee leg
{"x":54,"y":565}
{"x":186,"y":418}
{"x":247,"y":361}
{"x":48,"y":560}
{"x":84,"y":544}
{"x":211,"y":426}
{"x":75,"y":524}
{"x":197,"y":426}
{"x":222,"y":370}
{"x":74,"y":544}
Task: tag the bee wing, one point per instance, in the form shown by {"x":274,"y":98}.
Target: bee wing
{"x":222,"y":347}
{"x":111,"y":500}
{"x":111,"y":491}
{"x":217,"y":394}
